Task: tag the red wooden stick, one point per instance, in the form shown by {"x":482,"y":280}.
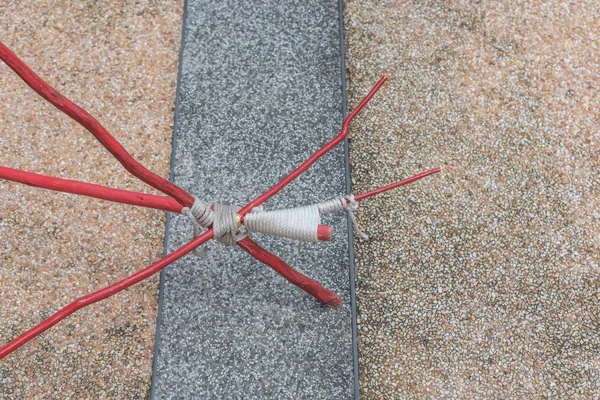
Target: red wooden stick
{"x":94,"y":127}
{"x":184,"y":198}
{"x":310,"y":286}
{"x":103,"y":294}
{"x":90,"y":190}
{"x":312,"y":159}
{"x":396,"y":184}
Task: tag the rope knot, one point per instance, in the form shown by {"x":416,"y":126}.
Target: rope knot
{"x":346,"y":202}
{"x":223,"y":218}
{"x":351,"y":206}
{"x":225,"y":225}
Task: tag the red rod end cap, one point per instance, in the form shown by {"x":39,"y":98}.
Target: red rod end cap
{"x":324,"y":232}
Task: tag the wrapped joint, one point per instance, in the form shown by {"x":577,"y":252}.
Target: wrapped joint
{"x":300,"y":223}
{"x":343,"y":203}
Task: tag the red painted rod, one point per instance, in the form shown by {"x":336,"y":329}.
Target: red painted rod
{"x":90,"y":190}
{"x":103,"y":294}
{"x":324,"y":232}
{"x":94,"y":127}
{"x":302,"y":281}
{"x":396,"y":184}
{"x":312,"y":159}
{"x":179,"y":194}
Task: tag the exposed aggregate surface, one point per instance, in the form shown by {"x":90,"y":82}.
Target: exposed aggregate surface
{"x":481,"y":282}
{"x":117,"y":59}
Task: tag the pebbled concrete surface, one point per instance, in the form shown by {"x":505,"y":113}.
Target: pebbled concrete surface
{"x":118,"y":59}
{"x":260,"y":92}
{"x":483,"y":281}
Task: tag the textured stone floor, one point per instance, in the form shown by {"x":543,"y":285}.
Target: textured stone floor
{"x":118,"y":59}
{"x":481,"y":282}
{"x":260,"y":92}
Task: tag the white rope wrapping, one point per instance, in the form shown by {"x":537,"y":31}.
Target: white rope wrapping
{"x":299,"y":223}
{"x":222,"y":218}
{"x":332,"y":205}
{"x":225,"y":225}
{"x":201,"y":215}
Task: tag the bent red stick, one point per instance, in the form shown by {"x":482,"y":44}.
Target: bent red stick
{"x":103,"y":294}
{"x":310,"y":286}
{"x":86,"y":120}
{"x":298,"y":279}
{"x":90,"y":190}
{"x":270,"y":259}
{"x":312,"y":159}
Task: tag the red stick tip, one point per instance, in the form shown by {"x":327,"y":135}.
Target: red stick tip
{"x":335,"y":302}
{"x":324,"y":232}
{"x":397,"y":184}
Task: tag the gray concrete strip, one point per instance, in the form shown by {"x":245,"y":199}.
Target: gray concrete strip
{"x":260,"y":90}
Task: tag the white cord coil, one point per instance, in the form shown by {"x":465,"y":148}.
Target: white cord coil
{"x":299,"y":223}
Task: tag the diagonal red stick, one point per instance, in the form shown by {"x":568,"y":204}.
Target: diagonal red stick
{"x":94,"y":127}
{"x":310,"y":286}
{"x":305,"y":283}
{"x":90,"y":190}
{"x":261,"y":254}
{"x":103,"y":294}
